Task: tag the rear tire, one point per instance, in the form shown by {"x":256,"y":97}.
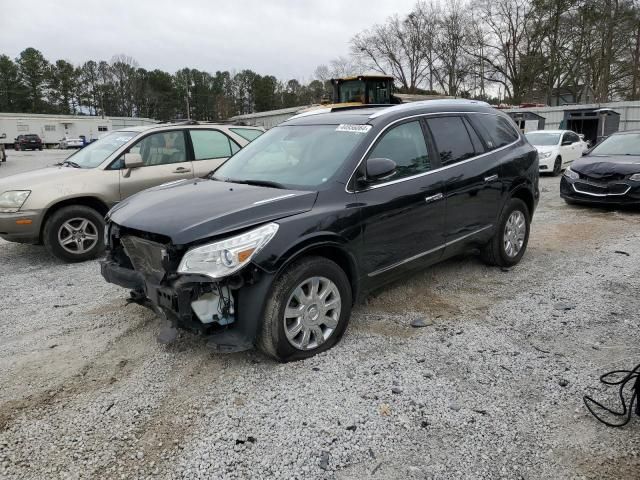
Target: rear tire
{"x":74,"y":234}
{"x":509,"y":242}
{"x":557,"y":166}
{"x":326,"y":296}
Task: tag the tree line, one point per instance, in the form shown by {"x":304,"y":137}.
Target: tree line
{"x":508,"y":51}
{"x":120,"y":87}
{"x":525,"y":50}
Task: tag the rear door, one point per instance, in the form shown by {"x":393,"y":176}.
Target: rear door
{"x":403,"y":215}
{"x":473,"y":187}
{"x":165,"y":158}
{"x":211,"y":147}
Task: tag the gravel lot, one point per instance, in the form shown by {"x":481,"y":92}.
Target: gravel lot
{"x":88,"y":393}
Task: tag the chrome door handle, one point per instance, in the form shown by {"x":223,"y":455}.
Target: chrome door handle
{"x":491,"y":178}
{"x":181,"y":170}
{"x":434,"y":198}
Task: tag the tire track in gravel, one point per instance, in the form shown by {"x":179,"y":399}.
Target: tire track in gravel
{"x":109,"y":366}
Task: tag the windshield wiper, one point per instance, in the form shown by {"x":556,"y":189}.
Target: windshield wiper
{"x":70,"y":162}
{"x":257,"y":183}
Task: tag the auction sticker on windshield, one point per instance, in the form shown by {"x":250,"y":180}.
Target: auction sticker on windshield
{"x":353,"y":128}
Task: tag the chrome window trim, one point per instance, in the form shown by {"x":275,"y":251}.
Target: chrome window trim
{"x":602,"y":194}
{"x":419,"y":255}
{"x":418,"y":175}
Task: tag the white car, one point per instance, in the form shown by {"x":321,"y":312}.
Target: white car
{"x":557,"y":149}
{"x":67,"y":142}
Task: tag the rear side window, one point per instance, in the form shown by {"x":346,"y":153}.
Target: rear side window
{"x":499,"y":130}
{"x":212,"y":144}
{"x":247,"y":133}
{"x":451,"y":138}
{"x":405,"y":145}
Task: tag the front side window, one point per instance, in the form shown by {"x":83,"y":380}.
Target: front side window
{"x":247,"y":133}
{"x":296,"y":156}
{"x":405,"y":145}
{"x":451,"y":138}
{"x":162,"y":148}
{"x":621,"y":144}
{"x":212,"y":144}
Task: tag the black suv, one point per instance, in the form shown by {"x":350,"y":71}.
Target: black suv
{"x":30,"y":141}
{"x":274,"y":247}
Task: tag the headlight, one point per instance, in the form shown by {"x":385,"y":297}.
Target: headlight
{"x":223,"y":258}
{"x":546,"y":155}
{"x":571,"y":174}
{"x":635,"y":177}
{"x":11,"y":201}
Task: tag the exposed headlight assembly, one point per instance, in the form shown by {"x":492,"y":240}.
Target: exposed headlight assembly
{"x":546,"y":155}
{"x":571,"y":174}
{"x":225,"y":257}
{"x":12,"y":201}
{"x":635,"y":177}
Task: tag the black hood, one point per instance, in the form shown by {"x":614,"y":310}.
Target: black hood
{"x":190,"y":210}
{"x":602,"y":166}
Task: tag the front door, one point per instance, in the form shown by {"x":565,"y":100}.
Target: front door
{"x":165,"y":159}
{"x":210,"y":149}
{"x":403,"y":215}
{"x":570,"y":148}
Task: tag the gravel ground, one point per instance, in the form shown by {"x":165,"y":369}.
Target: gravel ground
{"x":477,"y":393}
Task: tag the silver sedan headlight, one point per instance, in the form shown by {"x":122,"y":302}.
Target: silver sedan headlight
{"x":545,"y":155}
{"x":12,"y":201}
{"x":571,"y":174}
{"x":225,"y":257}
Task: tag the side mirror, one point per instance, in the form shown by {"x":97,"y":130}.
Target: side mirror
{"x":380,"y":168}
{"x":133,"y":160}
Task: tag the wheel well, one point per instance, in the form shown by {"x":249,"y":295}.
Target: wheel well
{"x":91,"y":202}
{"x":337,"y":255}
{"x":526,"y":196}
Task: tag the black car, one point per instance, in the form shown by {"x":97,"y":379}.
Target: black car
{"x":607,"y":174}
{"x":275,"y":246}
{"x":30,"y":141}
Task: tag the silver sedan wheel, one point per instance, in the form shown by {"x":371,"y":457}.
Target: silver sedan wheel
{"x":312,"y":313}
{"x":514,"y":233}
{"x":78,"y":235}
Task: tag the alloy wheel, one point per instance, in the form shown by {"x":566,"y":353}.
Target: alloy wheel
{"x":312,"y":313}
{"x":78,"y":235}
{"x":515,"y":231}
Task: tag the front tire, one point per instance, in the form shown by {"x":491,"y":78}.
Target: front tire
{"x":557,"y":166}
{"x":74,"y":234}
{"x":509,"y":243}
{"x":307,"y":311}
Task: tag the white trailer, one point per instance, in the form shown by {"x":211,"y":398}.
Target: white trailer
{"x":52,"y":128}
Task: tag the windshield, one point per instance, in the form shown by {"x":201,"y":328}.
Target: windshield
{"x":352,"y":91}
{"x":543,"y":139}
{"x":624,"y":144}
{"x":97,"y":152}
{"x":303,"y":157}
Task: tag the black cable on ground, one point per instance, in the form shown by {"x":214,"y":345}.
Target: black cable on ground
{"x":627,"y":408}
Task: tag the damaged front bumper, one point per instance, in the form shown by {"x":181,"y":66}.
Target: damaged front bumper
{"x":228,"y":312}
{"x":584,"y":190}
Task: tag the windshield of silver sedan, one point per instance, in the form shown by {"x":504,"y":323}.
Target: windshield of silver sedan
{"x":97,"y":152}
{"x":298,"y":156}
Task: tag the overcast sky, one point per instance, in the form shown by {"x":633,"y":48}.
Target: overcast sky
{"x":285,"y":38}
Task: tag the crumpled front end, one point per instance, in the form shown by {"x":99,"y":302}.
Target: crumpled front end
{"x":226,"y":311}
